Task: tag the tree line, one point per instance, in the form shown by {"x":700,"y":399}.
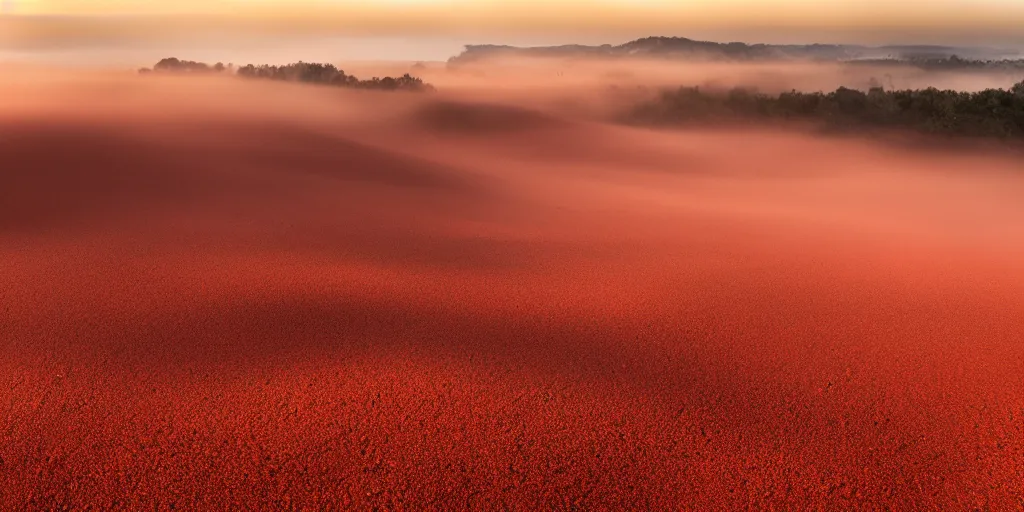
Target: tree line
{"x":304,"y":72}
{"x":991,"y":113}
{"x":951,"y":63}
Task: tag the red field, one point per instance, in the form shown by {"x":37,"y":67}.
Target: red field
{"x":252,"y":298}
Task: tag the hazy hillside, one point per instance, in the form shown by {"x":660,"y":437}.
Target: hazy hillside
{"x":681,"y":47}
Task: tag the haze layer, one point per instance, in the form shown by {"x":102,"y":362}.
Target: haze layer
{"x":229,"y":294}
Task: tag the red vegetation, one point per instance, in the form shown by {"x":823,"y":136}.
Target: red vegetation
{"x":284,"y":307}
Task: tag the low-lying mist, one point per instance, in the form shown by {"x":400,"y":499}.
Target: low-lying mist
{"x":770,"y":76}
{"x":230,"y":293}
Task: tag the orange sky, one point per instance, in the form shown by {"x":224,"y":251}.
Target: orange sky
{"x":871,"y":21}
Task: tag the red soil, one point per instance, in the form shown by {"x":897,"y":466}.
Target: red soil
{"x":270,"y":307}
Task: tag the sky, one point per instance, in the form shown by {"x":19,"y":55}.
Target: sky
{"x":425,"y":29}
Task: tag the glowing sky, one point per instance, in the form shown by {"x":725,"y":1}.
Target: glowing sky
{"x":565,"y":12}
{"x":41,"y":23}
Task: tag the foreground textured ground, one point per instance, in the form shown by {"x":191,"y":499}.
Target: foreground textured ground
{"x":224,"y":297}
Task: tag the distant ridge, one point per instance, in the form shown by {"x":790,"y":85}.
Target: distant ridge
{"x":681,"y":47}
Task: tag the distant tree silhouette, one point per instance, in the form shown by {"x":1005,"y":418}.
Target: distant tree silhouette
{"x":992,"y":112}
{"x":304,"y":72}
{"x":951,"y":63}
{"x":186,"y":66}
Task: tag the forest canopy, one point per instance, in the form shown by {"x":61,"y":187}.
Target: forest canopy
{"x":991,"y":112}
{"x":303,"y":72}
